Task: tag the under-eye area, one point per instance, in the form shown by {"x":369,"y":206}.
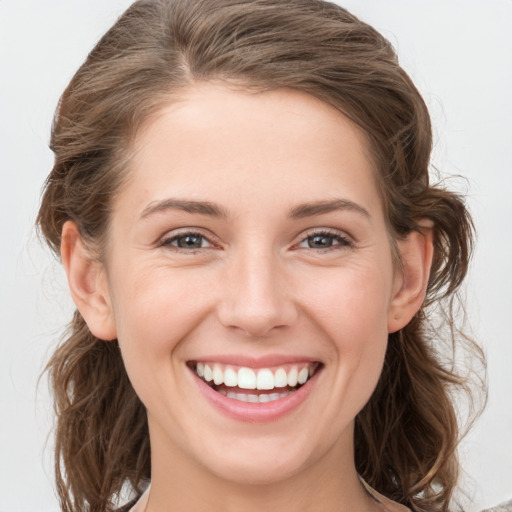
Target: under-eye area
{"x":255,"y":385}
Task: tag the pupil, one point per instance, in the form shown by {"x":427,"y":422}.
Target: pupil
{"x":320,"y":241}
{"x":190,"y":241}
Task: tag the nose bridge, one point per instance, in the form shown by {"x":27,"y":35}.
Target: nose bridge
{"x":256,"y":296}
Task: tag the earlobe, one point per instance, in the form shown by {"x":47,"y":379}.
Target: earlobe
{"x":87,"y":283}
{"x":416,"y":253}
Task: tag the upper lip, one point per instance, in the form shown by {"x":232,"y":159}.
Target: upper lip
{"x":266,"y":361}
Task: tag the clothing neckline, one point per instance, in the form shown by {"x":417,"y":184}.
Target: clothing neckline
{"x":140,"y":504}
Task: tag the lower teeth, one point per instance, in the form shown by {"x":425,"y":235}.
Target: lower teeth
{"x":251,"y":398}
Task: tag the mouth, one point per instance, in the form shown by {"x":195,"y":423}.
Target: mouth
{"x":255,"y":385}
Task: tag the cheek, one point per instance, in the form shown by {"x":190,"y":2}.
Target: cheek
{"x":351,"y":309}
{"x":351,"y":304}
{"x":154,"y":311}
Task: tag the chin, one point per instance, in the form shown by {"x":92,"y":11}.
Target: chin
{"x":258,"y":471}
{"x":264,"y":460}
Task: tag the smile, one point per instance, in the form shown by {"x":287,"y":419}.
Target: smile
{"x":266,"y":384}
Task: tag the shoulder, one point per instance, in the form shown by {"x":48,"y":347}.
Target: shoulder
{"x":128,"y":506}
{"x":136,"y":505}
{"x":389,"y":505}
{"x":504,"y":507}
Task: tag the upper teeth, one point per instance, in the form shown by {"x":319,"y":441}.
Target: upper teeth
{"x":263,"y":378}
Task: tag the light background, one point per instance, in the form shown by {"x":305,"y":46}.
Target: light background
{"x":459,"y":52}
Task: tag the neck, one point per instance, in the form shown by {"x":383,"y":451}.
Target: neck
{"x":330,"y":484}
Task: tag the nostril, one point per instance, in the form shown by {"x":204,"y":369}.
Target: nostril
{"x":256,"y":303}
{"x":257,"y":325}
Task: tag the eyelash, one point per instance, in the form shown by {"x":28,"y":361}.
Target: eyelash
{"x":169,"y":241}
{"x":342,"y":241}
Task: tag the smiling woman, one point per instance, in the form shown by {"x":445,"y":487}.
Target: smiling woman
{"x":242,"y":205}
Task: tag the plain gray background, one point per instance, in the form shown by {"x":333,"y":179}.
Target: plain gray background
{"x":459,"y":53}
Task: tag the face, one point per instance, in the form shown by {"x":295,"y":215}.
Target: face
{"x":251,"y":282}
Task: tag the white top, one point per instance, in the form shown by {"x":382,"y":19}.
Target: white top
{"x":141,"y":505}
{"x":389,"y":505}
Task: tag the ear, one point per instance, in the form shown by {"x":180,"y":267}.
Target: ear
{"x":416,"y":253}
{"x":88,"y":283}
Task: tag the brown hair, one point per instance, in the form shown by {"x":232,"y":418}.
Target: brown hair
{"x":406,"y":435}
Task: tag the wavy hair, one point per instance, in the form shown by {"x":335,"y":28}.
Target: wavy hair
{"x":406,"y":436}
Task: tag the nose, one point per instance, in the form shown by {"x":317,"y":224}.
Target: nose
{"x":256,"y":297}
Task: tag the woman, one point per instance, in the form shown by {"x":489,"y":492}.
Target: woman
{"x":242,"y":205}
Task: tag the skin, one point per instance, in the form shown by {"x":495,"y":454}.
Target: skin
{"x":255,"y":287}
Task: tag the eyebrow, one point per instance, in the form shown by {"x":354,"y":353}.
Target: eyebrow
{"x":200,"y":207}
{"x":214,"y":210}
{"x":320,"y":207}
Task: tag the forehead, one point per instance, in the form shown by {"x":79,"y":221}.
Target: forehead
{"x":208,"y":105}
{"x":213,"y":139}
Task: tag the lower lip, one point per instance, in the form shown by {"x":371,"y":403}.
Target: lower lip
{"x":257,"y":412}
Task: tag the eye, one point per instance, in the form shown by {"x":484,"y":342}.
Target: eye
{"x":325,"y":240}
{"x":188,"y":240}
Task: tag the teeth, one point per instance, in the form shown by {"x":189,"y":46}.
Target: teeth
{"x":230,"y":378}
{"x":247,"y":378}
{"x":218,"y":375}
{"x":254,"y":399}
{"x":265,"y":380}
{"x":280,"y":379}
{"x":208,"y":374}
{"x":293,"y":375}
{"x":303,"y":376}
